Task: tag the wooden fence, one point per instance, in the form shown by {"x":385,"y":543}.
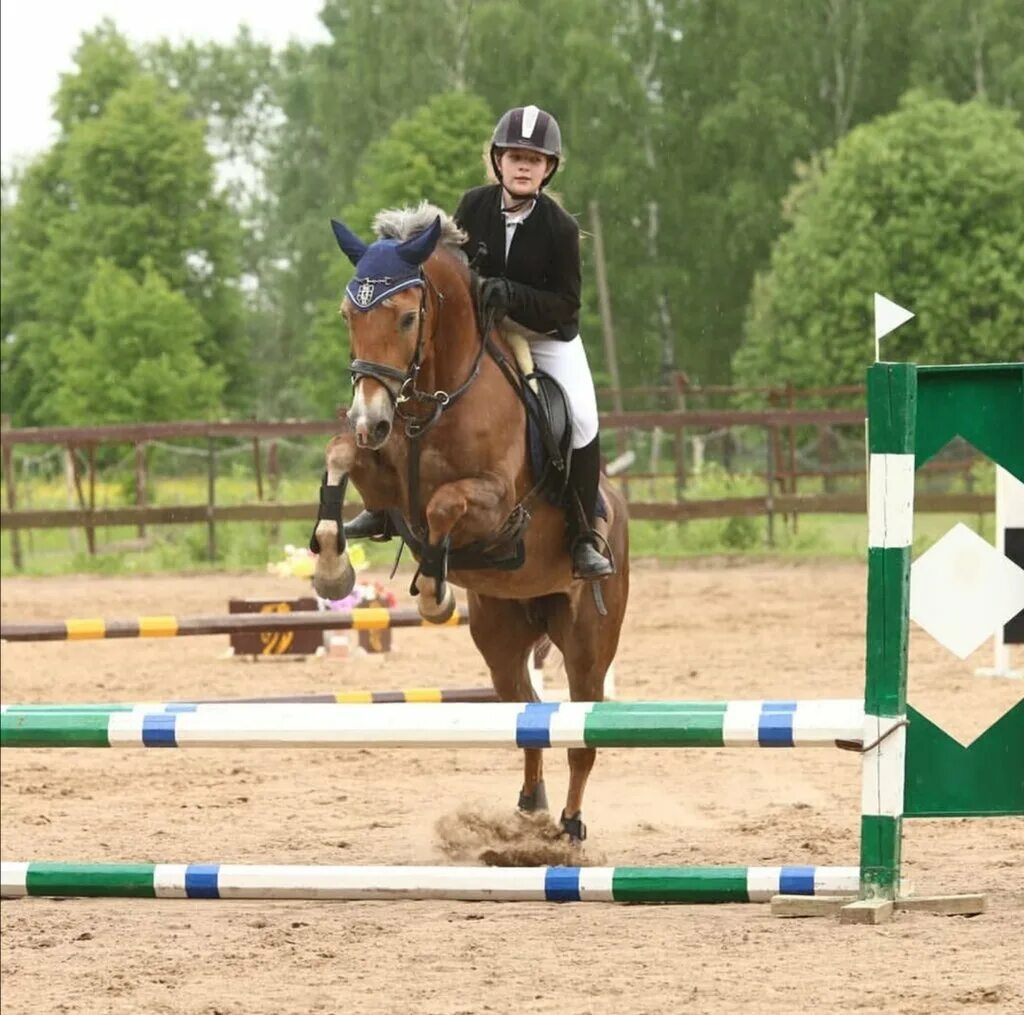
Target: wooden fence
{"x":780,"y":473}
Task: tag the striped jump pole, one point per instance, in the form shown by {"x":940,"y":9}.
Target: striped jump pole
{"x":481,"y":884}
{"x":452,"y":695}
{"x":370,"y":618}
{"x":825,"y":723}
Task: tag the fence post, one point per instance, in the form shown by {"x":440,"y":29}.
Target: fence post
{"x":791,"y":397}
{"x":825,"y":458}
{"x":769,"y":500}
{"x":211,"y":497}
{"x":90,"y":532}
{"x":140,"y":483}
{"x":274,"y":481}
{"x":681,"y":382}
{"x":70,"y":485}
{"x":12,"y":496}
{"x":655,"y":461}
{"x":259,"y":468}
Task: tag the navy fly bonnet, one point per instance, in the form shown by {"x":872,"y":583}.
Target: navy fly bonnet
{"x":384,"y":267}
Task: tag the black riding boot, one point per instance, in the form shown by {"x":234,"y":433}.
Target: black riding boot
{"x":369,"y":525}
{"x":588,"y":562}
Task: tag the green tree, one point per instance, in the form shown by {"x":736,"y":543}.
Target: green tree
{"x":129,"y":181}
{"x":432,"y":154}
{"x":755,"y":89}
{"x":970,"y":49}
{"x":133,"y":354}
{"x":925,"y":205}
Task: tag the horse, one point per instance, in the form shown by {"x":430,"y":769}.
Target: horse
{"x":436,"y":434}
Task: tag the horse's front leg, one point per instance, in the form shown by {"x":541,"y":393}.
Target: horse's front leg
{"x":478,"y":506}
{"x":333,"y":576}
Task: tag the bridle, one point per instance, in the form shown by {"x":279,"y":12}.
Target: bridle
{"x":408,"y":393}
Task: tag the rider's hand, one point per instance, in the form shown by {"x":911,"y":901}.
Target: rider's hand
{"x":495,"y":298}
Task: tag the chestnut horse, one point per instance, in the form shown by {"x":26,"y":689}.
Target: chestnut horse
{"x":437,"y":435}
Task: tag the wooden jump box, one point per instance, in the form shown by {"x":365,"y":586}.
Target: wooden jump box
{"x":275,"y":643}
{"x":293,"y":643}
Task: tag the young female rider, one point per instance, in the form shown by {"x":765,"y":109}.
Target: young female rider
{"x":527,"y":250}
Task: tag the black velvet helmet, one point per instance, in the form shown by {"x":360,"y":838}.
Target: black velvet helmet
{"x":528,"y":127}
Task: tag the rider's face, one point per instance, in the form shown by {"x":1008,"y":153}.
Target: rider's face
{"x":522,"y":170}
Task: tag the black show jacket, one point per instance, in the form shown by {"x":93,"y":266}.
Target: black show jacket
{"x":543,"y":262}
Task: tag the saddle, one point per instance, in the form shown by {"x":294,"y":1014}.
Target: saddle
{"x":548,"y":418}
{"x":551,"y":412}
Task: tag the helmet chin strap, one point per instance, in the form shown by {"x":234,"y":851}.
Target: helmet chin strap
{"x":518,"y":203}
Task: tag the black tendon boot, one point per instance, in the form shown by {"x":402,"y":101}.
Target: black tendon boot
{"x":588,"y":562}
{"x":369,"y":525}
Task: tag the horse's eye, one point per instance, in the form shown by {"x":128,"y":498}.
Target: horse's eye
{"x":408,"y":319}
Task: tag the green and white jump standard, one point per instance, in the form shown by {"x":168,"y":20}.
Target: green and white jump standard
{"x":911,"y":767}
{"x":497,"y":884}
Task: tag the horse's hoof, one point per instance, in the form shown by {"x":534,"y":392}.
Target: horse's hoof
{"x":573,"y":828}
{"x":535,"y":801}
{"x":336,"y":586}
{"x":437,"y":613}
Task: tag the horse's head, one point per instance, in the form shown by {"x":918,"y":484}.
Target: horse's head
{"x":386,"y":307}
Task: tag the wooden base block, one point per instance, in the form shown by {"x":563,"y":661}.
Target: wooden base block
{"x":787,"y":906}
{"x":870,"y":911}
{"x":874,"y":911}
{"x":944,"y":905}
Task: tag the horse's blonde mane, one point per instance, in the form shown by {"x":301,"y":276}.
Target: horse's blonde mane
{"x":401,"y":223}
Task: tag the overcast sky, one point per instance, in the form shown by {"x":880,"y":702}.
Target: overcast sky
{"x":38,"y":37}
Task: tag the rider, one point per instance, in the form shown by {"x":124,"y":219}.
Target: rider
{"x":527,"y":250}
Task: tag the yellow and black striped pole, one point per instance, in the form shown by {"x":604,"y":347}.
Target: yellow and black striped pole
{"x":94,"y":628}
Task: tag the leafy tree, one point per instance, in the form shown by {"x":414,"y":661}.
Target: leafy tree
{"x":128,"y":181}
{"x":971,"y":49}
{"x":433,"y":154}
{"x":133,"y":354}
{"x":757,"y":89}
{"x":104,"y":63}
{"x":925,"y":205}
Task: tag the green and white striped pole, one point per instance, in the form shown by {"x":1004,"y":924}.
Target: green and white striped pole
{"x":892,"y":398}
{"x":696,"y":885}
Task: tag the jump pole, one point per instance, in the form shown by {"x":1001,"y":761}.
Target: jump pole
{"x":481,"y":884}
{"x":826,"y":723}
{"x":94,"y":628}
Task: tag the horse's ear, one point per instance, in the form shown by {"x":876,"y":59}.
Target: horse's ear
{"x":417,"y":249}
{"x":352,"y":247}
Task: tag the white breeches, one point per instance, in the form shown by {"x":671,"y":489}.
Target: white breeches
{"x":567,"y":363}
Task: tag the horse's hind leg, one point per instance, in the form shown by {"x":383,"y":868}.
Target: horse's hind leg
{"x":505,"y":635}
{"x":588,"y":642}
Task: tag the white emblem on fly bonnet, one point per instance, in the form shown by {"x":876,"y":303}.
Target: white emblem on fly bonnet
{"x":364,"y":294}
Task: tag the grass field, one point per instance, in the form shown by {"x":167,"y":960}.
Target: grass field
{"x":120,"y":550}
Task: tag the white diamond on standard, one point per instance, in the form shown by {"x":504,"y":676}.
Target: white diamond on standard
{"x":963,"y":589}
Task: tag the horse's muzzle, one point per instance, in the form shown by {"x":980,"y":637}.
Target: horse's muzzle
{"x":372,"y":434}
